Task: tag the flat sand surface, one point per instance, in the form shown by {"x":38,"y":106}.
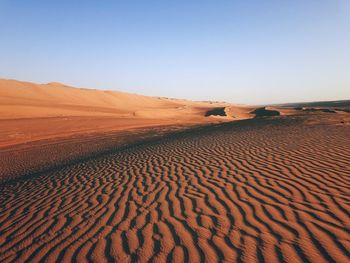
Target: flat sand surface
{"x":261,"y":190}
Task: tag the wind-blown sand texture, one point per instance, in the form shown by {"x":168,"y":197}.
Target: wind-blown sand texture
{"x":263,"y":190}
{"x":49,"y":125}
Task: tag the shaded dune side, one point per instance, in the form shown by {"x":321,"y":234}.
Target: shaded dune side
{"x":263,"y":112}
{"x":257,"y":191}
{"x":316,"y":109}
{"x":220,"y":111}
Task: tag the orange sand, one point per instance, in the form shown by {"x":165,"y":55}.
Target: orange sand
{"x":271,"y":189}
{"x":30,"y":112}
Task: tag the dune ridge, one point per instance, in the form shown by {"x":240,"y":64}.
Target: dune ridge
{"x":20,"y":99}
{"x":31,"y":112}
{"x":48,"y":125}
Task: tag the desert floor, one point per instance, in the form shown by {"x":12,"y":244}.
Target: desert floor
{"x":45,"y":126}
{"x":261,"y":190}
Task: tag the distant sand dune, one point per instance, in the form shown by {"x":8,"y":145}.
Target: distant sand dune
{"x":262,"y":190}
{"x":29,"y":100}
{"x":31,"y":112}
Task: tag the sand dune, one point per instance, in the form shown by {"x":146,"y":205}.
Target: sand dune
{"x":24,"y":99}
{"x":336,"y":104}
{"x":29,"y":100}
{"x":30,"y":112}
{"x":39,"y":118}
{"x":262,"y":190}
{"x":100,"y":176}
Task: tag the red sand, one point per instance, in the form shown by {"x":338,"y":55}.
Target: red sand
{"x":49,"y":125}
{"x":30,"y":112}
{"x":262,"y":190}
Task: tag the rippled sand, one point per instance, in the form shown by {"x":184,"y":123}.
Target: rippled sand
{"x":269,"y":190}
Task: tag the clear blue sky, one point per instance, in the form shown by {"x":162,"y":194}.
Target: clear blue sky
{"x":239,"y":51}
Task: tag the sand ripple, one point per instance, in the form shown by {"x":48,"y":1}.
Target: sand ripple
{"x":260,"y":191}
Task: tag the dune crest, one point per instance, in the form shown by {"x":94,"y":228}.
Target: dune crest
{"x":29,"y":100}
{"x":25,"y":108}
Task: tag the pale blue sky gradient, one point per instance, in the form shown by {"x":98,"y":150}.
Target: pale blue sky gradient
{"x":251,"y":52}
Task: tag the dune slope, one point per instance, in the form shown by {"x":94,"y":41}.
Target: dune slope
{"x":31,"y":112}
{"x":29,"y":100}
{"x":49,"y":125}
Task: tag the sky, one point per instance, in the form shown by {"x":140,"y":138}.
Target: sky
{"x":250,"y":52}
